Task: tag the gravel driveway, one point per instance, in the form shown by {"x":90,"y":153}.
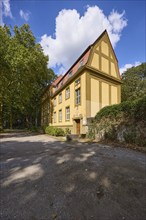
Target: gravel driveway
{"x":44,"y":179}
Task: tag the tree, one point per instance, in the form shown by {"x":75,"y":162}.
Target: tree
{"x":23,"y":75}
{"x":134,"y":83}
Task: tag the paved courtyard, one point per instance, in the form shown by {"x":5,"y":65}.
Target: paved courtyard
{"x":43,"y":179}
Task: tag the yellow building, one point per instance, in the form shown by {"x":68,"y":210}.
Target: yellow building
{"x":91,"y":83}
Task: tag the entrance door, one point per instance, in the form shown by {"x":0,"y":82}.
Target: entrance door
{"x":78,"y":126}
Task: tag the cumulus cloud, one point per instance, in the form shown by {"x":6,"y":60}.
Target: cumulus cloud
{"x":5,"y":10}
{"x":73,"y":33}
{"x":24,"y":15}
{"x":129,"y":65}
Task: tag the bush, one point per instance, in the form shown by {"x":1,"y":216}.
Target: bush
{"x":67,"y":131}
{"x":136,"y":109}
{"x":124,"y":122}
{"x":54,"y":131}
{"x":111,"y":134}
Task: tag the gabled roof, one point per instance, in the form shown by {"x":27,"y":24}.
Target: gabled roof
{"x":85,"y":56}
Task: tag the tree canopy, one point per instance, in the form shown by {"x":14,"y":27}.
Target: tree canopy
{"x":23,"y":75}
{"x":134,"y":83}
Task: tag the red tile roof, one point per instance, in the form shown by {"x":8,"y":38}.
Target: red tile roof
{"x":57,"y":80}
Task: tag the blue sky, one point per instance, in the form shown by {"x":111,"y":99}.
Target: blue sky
{"x":65,"y":28}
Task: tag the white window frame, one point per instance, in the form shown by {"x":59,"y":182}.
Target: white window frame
{"x":70,"y":74}
{"x":60,"y":98}
{"x":81,"y":63}
{"x":78,"y":96}
{"x":67,"y":93}
{"x":67,"y":113}
{"x":60,"y":115}
{"x":54,"y":117}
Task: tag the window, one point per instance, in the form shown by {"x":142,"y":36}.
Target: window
{"x":54,"y":117}
{"x":60,"y":97}
{"x":78,"y":96}
{"x":56,"y":87}
{"x":77,"y":81}
{"x":55,"y":102}
{"x":67,"y":93}
{"x":81,"y":63}
{"x":60,"y":115}
{"x":67,"y":113}
{"x":70,"y":74}
{"x":62,"y":81}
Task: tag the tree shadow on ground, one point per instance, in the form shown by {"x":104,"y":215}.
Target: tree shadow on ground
{"x":71,"y":181}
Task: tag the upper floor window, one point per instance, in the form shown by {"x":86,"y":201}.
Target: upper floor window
{"x":78,"y":96}
{"x":67,"y":93}
{"x":54,"y":102}
{"x":62,"y":81}
{"x":81,"y":63}
{"x":56,"y":87}
{"x":67,"y":113}
{"x":70,"y":74}
{"x":60,"y":115}
{"x":77,"y":81}
{"x":54,"y":117}
{"x":60,"y":97}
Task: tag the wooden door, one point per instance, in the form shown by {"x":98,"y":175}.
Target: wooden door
{"x":78,"y":126}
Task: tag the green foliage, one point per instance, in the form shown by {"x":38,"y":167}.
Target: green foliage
{"x":67,"y":131}
{"x":123,"y":122}
{"x":136,"y":109}
{"x":111,"y":134}
{"x":134,"y":83}
{"x":23,"y":76}
{"x":130,"y":137}
{"x":91,"y":132}
{"x":54,"y":131}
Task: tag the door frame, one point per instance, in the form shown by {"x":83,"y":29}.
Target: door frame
{"x":78,"y":123}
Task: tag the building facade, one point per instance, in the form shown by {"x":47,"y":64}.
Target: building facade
{"x":91,"y":83}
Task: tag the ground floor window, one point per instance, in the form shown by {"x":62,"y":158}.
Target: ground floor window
{"x":67,"y":112}
{"x":54,"y":117}
{"x":60,"y":115}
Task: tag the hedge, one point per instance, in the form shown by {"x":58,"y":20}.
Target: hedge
{"x":54,"y":131}
{"x":136,"y":109}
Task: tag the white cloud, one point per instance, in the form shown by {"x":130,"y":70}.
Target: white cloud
{"x":74,"y":33}
{"x":129,"y":65}
{"x":5,"y":10}
{"x":24,"y":15}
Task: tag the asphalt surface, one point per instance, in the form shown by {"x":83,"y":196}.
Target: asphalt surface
{"x":44,"y":179}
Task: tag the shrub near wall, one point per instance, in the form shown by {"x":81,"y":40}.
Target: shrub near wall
{"x":124,"y":122}
{"x":54,"y":131}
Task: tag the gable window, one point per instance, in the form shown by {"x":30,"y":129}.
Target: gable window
{"x":81,"y":63}
{"x":56,"y":87}
{"x":54,"y":117}
{"x":70,"y":74}
{"x":60,"y":115}
{"x":77,"y":81}
{"x":67,"y":113}
{"x":78,"y":96}
{"x":67,"y":93}
{"x":60,"y":97}
{"x":54,"y":101}
{"x":62,"y":82}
